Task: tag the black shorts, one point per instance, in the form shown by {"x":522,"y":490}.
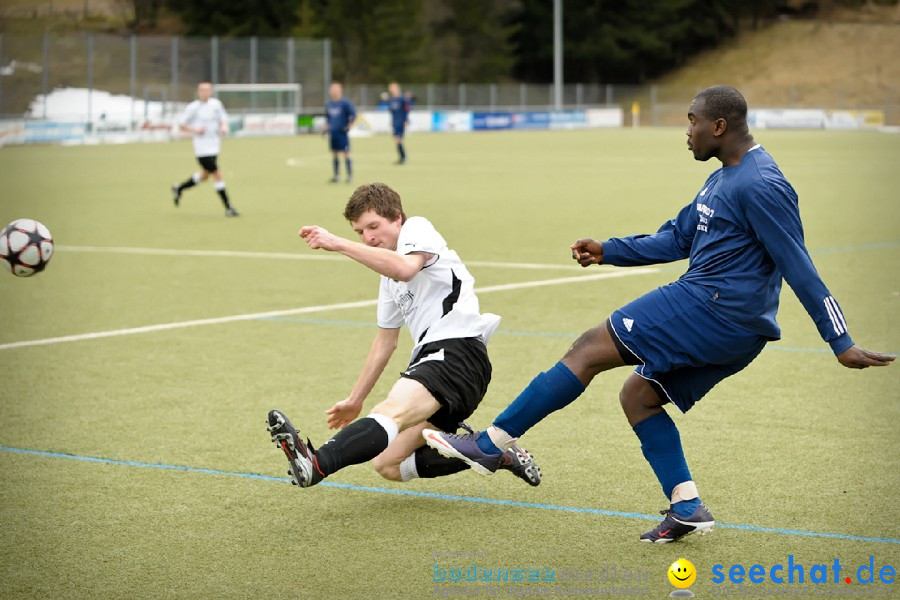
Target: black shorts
{"x":457,"y":373}
{"x":208,"y":163}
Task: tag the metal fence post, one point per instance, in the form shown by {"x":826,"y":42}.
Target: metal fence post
{"x":132,"y":77}
{"x":493,"y":89}
{"x":90,"y":79}
{"x":609,"y":94}
{"x":214,"y":60}
{"x":429,"y":96}
{"x":326,"y":64}
{"x":174,"y":71}
{"x":1,"y":78}
{"x":45,"y":77}
{"x":462,"y":96}
{"x":523,"y":96}
{"x":290,"y":59}
{"x":653,"y":110}
{"x":253,"y":59}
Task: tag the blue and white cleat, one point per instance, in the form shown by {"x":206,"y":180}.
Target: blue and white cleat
{"x":675,"y":527}
{"x":464,"y":447}
{"x":518,"y":461}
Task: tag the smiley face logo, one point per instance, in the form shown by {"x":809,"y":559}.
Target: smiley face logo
{"x":682,"y":573}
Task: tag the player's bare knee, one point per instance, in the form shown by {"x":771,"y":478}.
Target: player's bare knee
{"x":592,"y":353}
{"x":638,"y":399}
{"x":386,"y":468}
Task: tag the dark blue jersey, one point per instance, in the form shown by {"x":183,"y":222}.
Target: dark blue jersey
{"x":399,"y":107}
{"x":340,"y":114}
{"x":742,"y":234}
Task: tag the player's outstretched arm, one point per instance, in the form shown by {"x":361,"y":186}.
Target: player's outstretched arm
{"x":587,"y":252}
{"x":855,"y":357}
{"x":381,"y":260}
{"x":342,"y":413}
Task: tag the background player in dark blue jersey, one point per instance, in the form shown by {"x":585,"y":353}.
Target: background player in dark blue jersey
{"x":742,"y":234}
{"x":340,"y":114}
{"x":398,"y":104}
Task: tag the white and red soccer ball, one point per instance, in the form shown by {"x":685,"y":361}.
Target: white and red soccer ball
{"x":26,"y":247}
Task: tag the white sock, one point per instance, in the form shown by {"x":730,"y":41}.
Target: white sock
{"x":388,"y":424}
{"x":220,"y":185}
{"x":196,"y":177}
{"x":500,"y":438}
{"x":408,"y":468}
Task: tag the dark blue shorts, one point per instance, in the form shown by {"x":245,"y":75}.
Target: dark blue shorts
{"x":684,"y":348}
{"x":340,"y":141}
{"x":399,"y":130}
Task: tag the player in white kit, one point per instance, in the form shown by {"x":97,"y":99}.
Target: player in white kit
{"x":206,"y":120}
{"x":425,"y":286}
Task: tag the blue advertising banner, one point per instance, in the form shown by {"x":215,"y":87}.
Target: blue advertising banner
{"x":493,"y":120}
{"x":53,"y":131}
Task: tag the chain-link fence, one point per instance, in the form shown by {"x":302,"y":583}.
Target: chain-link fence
{"x":659,"y":105}
{"x":152,"y":69}
{"x":165,"y":71}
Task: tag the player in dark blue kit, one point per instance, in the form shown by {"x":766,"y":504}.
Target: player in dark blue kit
{"x":742,"y":234}
{"x":398,"y":104}
{"x":340,"y":114}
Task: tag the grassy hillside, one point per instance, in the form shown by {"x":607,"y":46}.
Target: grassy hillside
{"x":847,"y":60}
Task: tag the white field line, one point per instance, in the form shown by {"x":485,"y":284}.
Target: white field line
{"x":287,"y":256}
{"x":306,"y":310}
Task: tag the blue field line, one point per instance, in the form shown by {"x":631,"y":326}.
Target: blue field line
{"x":436,"y":496}
{"x":549,"y":334}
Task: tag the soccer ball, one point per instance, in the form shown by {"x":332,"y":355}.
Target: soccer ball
{"x":25,"y":247}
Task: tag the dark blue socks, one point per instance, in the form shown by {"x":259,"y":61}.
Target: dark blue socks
{"x":548,"y":392}
{"x":661,"y":445}
{"x":401,"y":151}
{"x":349,"y":167}
{"x":686,"y":508}
{"x":336,"y":164}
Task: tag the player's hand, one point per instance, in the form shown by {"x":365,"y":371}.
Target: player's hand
{"x":855,"y":357}
{"x":224,"y":129}
{"x":318,"y":237}
{"x":199,"y":131}
{"x":342,"y":413}
{"x":587,"y":252}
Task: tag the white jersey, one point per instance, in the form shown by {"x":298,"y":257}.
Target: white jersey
{"x":209,"y":116}
{"x":439,"y":303}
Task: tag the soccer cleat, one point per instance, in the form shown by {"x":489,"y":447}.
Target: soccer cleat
{"x":348,"y":180}
{"x":176,"y":194}
{"x":333,"y":179}
{"x":232,"y":213}
{"x":302,"y":457}
{"x":464,"y":447}
{"x":521,"y":463}
{"x":518,"y":461}
{"x":675,"y":527}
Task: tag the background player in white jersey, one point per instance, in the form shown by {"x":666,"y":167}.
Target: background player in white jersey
{"x":206,"y":120}
{"x":425,"y":286}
